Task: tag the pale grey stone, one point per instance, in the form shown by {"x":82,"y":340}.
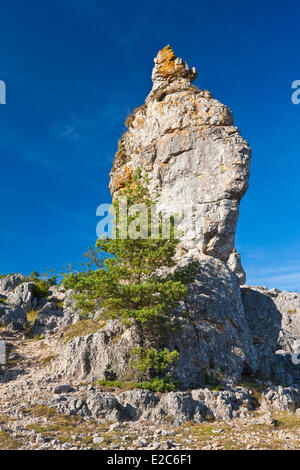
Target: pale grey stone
{"x":10,"y":282}
{"x":235,"y":264}
{"x":282,"y":398}
{"x":51,"y":319}
{"x":98,"y":440}
{"x":12,"y":315}
{"x":22,"y":295}
{"x":63,"y":389}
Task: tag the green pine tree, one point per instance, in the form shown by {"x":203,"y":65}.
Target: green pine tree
{"x":135,"y":280}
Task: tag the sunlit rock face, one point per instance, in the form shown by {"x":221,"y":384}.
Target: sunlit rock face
{"x":194,"y":156}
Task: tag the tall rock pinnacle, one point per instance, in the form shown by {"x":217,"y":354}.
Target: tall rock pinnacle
{"x":186,"y":142}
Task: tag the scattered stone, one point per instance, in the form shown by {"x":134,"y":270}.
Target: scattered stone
{"x":63,"y":389}
{"x":98,"y":440}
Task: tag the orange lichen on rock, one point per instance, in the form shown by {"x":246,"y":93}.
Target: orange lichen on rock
{"x":168,"y":66}
{"x":165,"y":61}
{"x":119,"y":179}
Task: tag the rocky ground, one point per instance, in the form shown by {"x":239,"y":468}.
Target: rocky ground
{"x":28,"y":421}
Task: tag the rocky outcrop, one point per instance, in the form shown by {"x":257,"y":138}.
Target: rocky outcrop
{"x":101,"y":355}
{"x":23,"y":295}
{"x":288,"y":303}
{"x":214,"y":342}
{"x":18,"y":291}
{"x":193,"y":154}
{"x":282,"y":399}
{"x":145,"y":406}
{"x":12,"y":315}
{"x":230,"y":332}
{"x":51,"y":319}
{"x":10,"y":282}
{"x":55,"y":312}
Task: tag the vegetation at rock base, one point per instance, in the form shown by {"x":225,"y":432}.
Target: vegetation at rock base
{"x":41,"y":288}
{"x":82,"y":328}
{"x":156,"y":384}
{"x":7,"y":442}
{"x":128,"y":283}
{"x":151,"y":362}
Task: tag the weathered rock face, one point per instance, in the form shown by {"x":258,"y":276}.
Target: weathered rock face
{"x":51,"y":318}
{"x":10,"y":282}
{"x":193,"y":154}
{"x":229,"y":333}
{"x":282,"y":399}
{"x":12,"y":315}
{"x":264,"y":321}
{"x":276,"y":315}
{"x":101,"y":355}
{"x":288,"y":303}
{"x":186,"y":143}
{"x":22,"y":295}
{"x":273,"y":319}
{"x":174,"y":407}
{"x":216,"y":341}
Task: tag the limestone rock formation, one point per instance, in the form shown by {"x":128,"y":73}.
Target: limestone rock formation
{"x":186,"y":143}
{"x":194,"y":156}
{"x":10,"y":282}
{"x":51,"y":318}
{"x":22,"y":295}
{"x":175,"y":407}
{"x":12,"y":315}
{"x":216,"y":341}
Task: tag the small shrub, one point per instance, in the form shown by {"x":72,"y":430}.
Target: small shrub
{"x":2,"y":276}
{"x":157,"y":384}
{"x":152,"y":362}
{"x":41,"y":288}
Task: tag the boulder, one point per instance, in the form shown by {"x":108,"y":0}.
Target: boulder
{"x":12,"y":315}
{"x":51,"y":319}
{"x":281,"y":398}
{"x":101,"y":355}
{"x":22,"y":295}
{"x":10,"y":282}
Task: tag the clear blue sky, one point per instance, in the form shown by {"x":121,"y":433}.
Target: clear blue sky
{"x":75,"y":68}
